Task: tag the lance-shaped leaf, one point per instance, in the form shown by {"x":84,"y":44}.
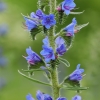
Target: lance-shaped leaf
{"x":79,"y":27}
{"x":64,"y":61}
{"x":75,"y":13}
{"x":34,"y":80}
{"x":75,"y":88}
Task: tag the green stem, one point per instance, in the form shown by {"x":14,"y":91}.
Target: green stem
{"x":55,"y":84}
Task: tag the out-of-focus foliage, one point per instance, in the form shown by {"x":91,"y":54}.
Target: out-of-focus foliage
{"x":85,"y":50}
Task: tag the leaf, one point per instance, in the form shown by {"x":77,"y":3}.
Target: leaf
{"x":34,"y":32}
{"x":76,"y":12}
{"x":32,"y":70}
{"x":78,"y":27}
{"x":64,"y":61}
{"x":34,"y":80}
{"x":75,"y":88}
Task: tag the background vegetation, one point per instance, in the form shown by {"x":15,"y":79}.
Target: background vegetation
{"x":85,"y":50}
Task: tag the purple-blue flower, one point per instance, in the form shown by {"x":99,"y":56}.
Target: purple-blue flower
{"x":77,"y":74}
{"x":47,"y":53}
{"x":32,"y":57}
{"x":43,"y":96}
{"x":77,"y":97}
{"x":30,"y":24}
{"x":48,"y":21}
{"x":61,"y":46}
{"x":67,"y":6}
{"x":70,"y":28}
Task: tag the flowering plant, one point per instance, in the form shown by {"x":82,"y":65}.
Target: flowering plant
{"x":55,"y":45}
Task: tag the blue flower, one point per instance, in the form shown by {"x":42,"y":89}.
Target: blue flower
{"x":40,"y":14}
{"x":77,"y":97}
{"x":61,"y":47}
{"x":48,"y":53}
{"x":70,"y":28}
{"x":30,"y":24}
{"x":48,"y":21}
{"x":77,"y":74}
{"x":43,"y":96}
{"x":67,"y":6}
{"x":32,"y":57}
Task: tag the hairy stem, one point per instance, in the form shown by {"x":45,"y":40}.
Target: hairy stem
{"x":55,"y":84}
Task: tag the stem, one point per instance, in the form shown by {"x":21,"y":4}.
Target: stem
{"x":54,"y":72}
{"x":55,"y":84}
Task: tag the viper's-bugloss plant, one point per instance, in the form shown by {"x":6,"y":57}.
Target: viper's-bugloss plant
{"x":55,"y":45}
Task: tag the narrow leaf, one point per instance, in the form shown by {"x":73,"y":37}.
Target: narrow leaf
{"x":76,"y":88}
{"x":64,"y":61}
{"x":34,"y":80}
{"x":76,"y":12}
{"x":78,"y":27}
{"x":32,"y":70}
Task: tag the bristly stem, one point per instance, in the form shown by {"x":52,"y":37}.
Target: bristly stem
{"x":55,"y":84}
{"x":54,"y":72}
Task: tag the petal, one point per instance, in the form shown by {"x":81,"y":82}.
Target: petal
{"x":29,"y":97}
{"x":77,"y":97}
{"x":29,"y":51}
{"x":39,"y":95}
{"x":78,"y":66}
{"x":59,"y":40}
{"x":67,"y":12}
{"x":47,"y":97}
{"x":61,"y":98}
{"x":47,"y":26}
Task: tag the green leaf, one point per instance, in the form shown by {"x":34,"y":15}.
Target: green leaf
{"x":75,"y":88}
{"x":32,"y":70}
{"x":34,"y":80}
{"x":76,"y":12}
{"x":64,"y":61}
{"x":78,"y":27}
{"x":34,"y":32}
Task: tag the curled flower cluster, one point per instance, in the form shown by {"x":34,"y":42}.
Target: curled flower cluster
{"x":39,"y":18}
{"x":43,"y":96}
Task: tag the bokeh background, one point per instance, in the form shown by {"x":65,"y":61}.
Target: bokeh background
{"x":85,"y":50}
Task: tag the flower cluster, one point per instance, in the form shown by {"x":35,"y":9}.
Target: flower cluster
{"x":55,"y":45}
{"x":39,"y":18}
{"x":48,"y":52}
{"x":42,"y":96}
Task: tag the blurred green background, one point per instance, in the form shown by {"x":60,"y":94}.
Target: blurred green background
{"x":85,"y":50}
